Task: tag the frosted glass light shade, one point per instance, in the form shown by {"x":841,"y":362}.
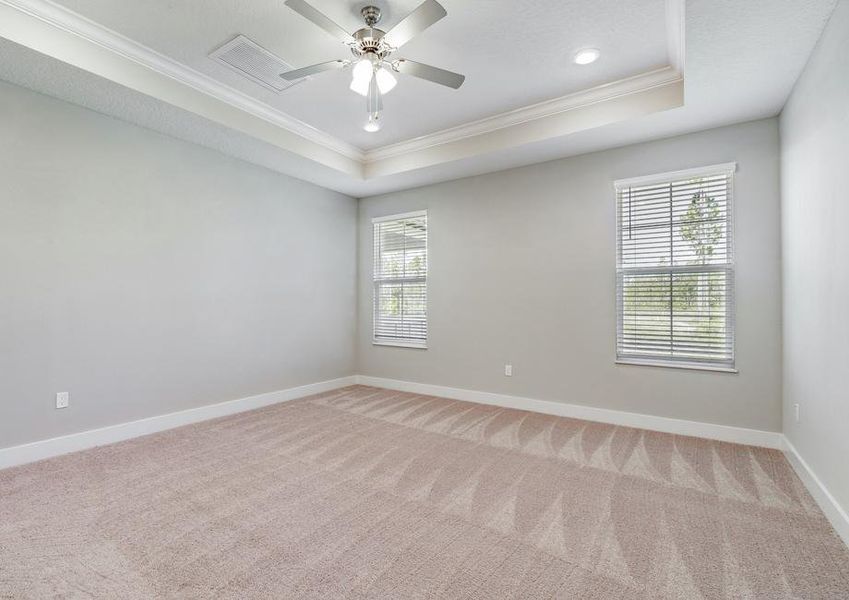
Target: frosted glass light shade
{"x":363,"y":72}
{"x":385,"y":80}
{"x":373,"y":124}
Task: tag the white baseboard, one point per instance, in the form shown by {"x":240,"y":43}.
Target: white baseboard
{"x":725,"y":433}
{"x":26,"y":453}
{"x":39,"y":450}
{"x":835,"y":513}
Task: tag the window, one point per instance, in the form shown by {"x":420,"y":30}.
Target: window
{"x":675,"y":269}
{"x":400,"y":280}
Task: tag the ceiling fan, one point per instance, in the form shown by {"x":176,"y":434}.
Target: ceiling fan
{"x":371,"y":47}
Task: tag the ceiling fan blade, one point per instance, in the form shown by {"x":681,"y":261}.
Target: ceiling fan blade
{"x":434,"y":74}
{"x":312,"y":70}
{"x":428,"y":13}
{"x":320,"y":19}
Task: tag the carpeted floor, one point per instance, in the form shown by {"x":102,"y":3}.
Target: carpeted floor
{"x":368,"y":493}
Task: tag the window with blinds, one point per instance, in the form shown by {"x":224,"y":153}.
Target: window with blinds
{"x":400,"y":280}
{"x":675,"y":269}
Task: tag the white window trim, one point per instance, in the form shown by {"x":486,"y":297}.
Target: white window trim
{"x":398,"y":343}
{"x":669,"y":364}
{"x":728,"y":169}
{"x":722,"y":168}
{"x":406,"y":215}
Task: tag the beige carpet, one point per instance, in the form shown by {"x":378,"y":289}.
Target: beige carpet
{"x":367,"y":493}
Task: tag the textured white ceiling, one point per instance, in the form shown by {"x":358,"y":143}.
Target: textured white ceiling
{"x":742,"y":60}
{"x":513,"y":52}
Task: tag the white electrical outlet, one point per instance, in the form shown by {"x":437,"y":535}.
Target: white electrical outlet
{"x":508,"y":370}
{"x":796,"y":411}
{"x":63,"y":399}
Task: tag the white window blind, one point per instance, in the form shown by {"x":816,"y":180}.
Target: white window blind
{"x":675,"y":269}
{"x":400,"y":279}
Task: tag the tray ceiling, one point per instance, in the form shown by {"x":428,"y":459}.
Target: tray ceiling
{"x":513,"y":53}
{"x":524,"y":99}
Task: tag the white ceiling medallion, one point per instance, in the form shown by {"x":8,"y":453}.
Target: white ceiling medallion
{"x":67,"y":36}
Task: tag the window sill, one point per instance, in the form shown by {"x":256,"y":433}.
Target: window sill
{"x":676,"y":365}
{"x":400,"y":344}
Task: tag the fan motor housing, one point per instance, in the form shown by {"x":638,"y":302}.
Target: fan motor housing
{"x":370,"y":40}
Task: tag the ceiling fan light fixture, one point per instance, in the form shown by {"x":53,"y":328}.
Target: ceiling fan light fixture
{"x":360,"y":86}
{"x":362,"y":74}
{"x":372,"y":75}
{"x":586,"y":56}
{"x":385,"y":80}
{"x":373,"y":124}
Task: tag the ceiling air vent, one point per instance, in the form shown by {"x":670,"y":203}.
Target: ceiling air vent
{"x":251,"y":60}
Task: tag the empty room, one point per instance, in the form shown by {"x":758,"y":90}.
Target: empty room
{"x":403,"y":299}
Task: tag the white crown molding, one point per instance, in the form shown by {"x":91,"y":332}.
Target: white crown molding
{"x":554,"y":126}
{"x":665,"y":76}
{"x":623,"y":87}
{"x":71,"y":22}
{"x":675,"y":13}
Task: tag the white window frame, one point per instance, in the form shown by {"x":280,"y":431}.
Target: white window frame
{"x":399,"y":343}
{"x":621,"y":184}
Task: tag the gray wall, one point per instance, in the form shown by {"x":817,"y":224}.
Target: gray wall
{"x":146,"y":275}
{"x":522,"y":271}
{"x":815,"y":214}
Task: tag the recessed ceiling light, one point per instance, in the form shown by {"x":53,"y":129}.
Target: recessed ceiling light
{"x":586,"y":56}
